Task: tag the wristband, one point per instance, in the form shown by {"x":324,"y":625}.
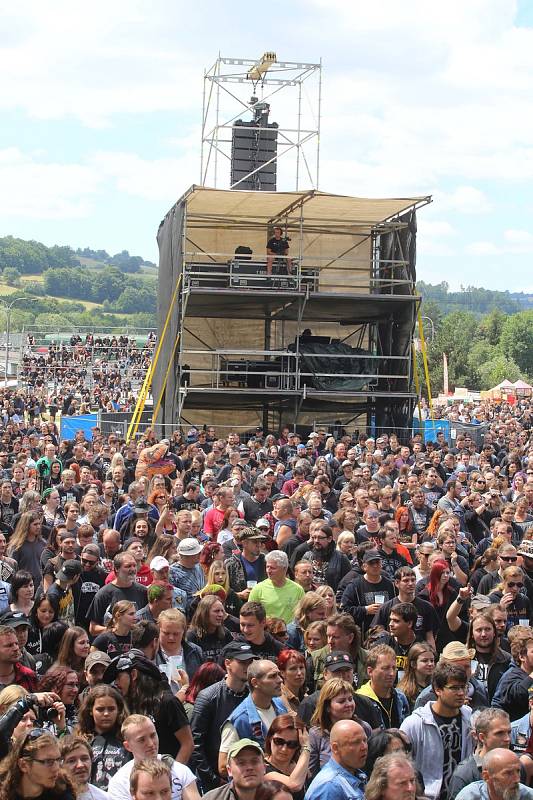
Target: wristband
{"x":459,"y":600}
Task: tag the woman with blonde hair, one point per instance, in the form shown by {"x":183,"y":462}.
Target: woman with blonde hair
{"x":328,"y":594}
{"x":508,"y":594}
{"x":218,"y":574}
{"x":311,"y":608}
{"x":116,"y":640}
{"x":315,"y":637}
{"x":335,"y":702}
{"x":346,"y":541}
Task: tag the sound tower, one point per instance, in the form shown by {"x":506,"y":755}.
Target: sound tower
{"x":253,"y":144}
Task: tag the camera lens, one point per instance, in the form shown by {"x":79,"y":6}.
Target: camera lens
{"x":51,"y":714}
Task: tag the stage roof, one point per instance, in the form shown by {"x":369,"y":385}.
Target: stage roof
{"x":224,"y":207}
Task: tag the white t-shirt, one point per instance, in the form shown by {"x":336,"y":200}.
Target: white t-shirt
{"x":229,"y":733}
{"x":119,"y":784}
{"x":93,"y":793}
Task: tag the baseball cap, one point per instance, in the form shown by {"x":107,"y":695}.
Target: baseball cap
{"x":262,"y":523}
{"x":97,"y":657}
{"x":250,"y":533}
{"x":526,"y":548}
{"x":279,"y":496}
{"x":313,"y":435}
{"x":69,"y":570}
{"x":268,"y":471}
{"x":14,"y":619}
{"x":346,"y":463}
{"x":480,"y":601}
{"x":134,"y":659}
{"x":189,"y":547}
{"x":371,"y":555}
{"x":91,"y":549}
{"x":456,"y":651}
{"x":338,"y":660}
{"x":236,"y":748}
{"x":159,"y":562}
{"x":238,"y":650}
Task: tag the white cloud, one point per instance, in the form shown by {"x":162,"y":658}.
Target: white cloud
{"x":515,"y":242}
{"x":465,"y":200}
{"x":32,"y":188}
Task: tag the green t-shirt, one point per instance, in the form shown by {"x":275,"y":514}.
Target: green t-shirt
{"x":278,"y":601}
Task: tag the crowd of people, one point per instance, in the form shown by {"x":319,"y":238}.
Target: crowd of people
{"x":83,"y":374}
{"x":267,"y":616}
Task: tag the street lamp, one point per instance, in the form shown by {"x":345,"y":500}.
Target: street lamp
{"x":8,"y":307}
{"x":432,"y":327}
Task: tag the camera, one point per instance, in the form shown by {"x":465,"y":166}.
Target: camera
{"x":51,"y":714}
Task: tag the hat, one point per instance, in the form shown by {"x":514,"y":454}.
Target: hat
{"x":346,"y":463}
{"x":263,"y":523}
{"x":97,"y":657}
{"x":70,"y":570}
{"x":480,"y":601}
{"x":279,"y":496}
{"x":244,"y":451}
{"x":238,"y":650}
{"x":134,"y":659}
{"x":91,"y":549}
{"x":525,"y":548}
{"x":461,"y":468}
{"x":250,"y":533}
{"x":236,"y":748}
{"x":14,"y":619}
{"x":189,"y":547}
{"x":268,"y":471}
{"x":300,"y":446}
{"x":313,"y":435}
{"x":371,"y":555}
{"x":338,"y":660}
{"x":456,"y":651}
{"x":158,"y":563}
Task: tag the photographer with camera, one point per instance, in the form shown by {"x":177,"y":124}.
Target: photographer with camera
{"x":19,"y":711}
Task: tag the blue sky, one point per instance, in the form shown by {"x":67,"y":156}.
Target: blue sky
{"x":100,"y":109}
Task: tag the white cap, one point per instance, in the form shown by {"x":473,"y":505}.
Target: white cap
{"x":158,"y":563}
{"x":189,"y":547}
{"x":262,"y":523}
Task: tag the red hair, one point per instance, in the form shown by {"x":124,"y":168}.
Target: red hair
{"x":289,"y":655}
{"x":435,"y":575}
{"x":207,"y":673}
{"x":399,"y":513}
{"x":209,"y":554}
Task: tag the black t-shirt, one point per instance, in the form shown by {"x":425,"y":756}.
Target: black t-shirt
{"x":85,"y":590}
{"x":390,"y":562}
{"x":278,"y":246}
{"x":169,"y":718}
{"x":450,"y":729}
{"x":112,"y":644}
{"x":426,"y":620}
{"x":269,"y":649}
{"x":108,"y":595}
{"x":211,"y":644}
{"x":109,"y":754}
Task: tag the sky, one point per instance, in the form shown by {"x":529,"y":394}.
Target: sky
{"x":101,"y":108}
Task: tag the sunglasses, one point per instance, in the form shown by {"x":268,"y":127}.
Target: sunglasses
{"x":89,"y":562}
{"x":514,"y":585}
{"x":291,"y":744}
{"x":509,"y":559}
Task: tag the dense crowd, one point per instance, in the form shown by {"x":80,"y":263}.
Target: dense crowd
{"x":96,"y":372}
{"x":266,"y":616}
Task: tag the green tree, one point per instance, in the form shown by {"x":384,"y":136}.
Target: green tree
{"x":493,"y":372}
{"x":11,"y":276}
{"x":516,"y":340}
{"x":454,"y":337}
{"x":491,"y":326}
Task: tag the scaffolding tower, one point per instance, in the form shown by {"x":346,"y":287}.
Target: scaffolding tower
{"x":330,"y":339}
{"x":237,"y":86}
